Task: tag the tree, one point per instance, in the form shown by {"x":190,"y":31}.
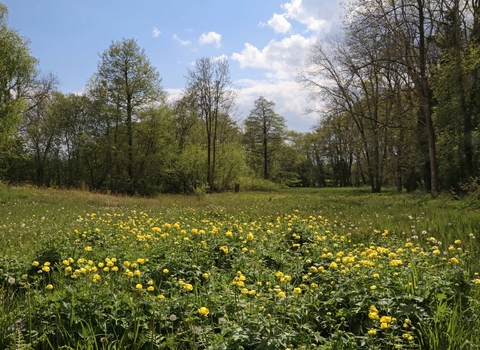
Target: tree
{"x":17,"y":67}
{"x":264,"y":132}
{"x":408,"y":27}
{"x":209,"y":91}
{"x":127,"y":81}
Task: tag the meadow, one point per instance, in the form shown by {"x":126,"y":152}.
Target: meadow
{"x":290,"y":269}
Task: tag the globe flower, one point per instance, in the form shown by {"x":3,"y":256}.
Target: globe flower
{"x":49,"y":286}
{"x":139,"y":286}
{"x":203,"y":311}
{"x":188,"y":286}
{"x":454,"y":261}
{"x":297,"y":290}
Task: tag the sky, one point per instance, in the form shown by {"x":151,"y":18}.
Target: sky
{"x":265,"y":42}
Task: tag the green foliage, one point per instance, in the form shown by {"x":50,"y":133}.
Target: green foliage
{"x":264,"y":135}
{"x":17,"y":67}
{"x":252,"y":183}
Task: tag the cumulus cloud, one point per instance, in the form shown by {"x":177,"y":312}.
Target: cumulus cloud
{"x":316,"y":15}
{"x":156,"y":32}
{"x":180,"y":41}
{"x":282,"y":58}
{"x":222,"y":57}
{"x":173,"y":94}
{"x":279,"y":24}
{"x":210,"y":38}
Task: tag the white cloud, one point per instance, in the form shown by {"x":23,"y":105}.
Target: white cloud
{"x":282,"y":58}
{"x":210,"y":38}
{"x":173,"y":94}
{"x":156,"y":32}
{"x":279,"y":23}
{"x":316,"y":15}
{"x":180,"y":41}
{"x":222,"y":57}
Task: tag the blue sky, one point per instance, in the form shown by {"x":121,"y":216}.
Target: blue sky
{"x":265,"y":41}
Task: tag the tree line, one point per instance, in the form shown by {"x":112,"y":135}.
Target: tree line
{"x":396,"y":93}
{"x":401,"y":94}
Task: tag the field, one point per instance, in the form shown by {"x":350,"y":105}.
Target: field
{"x":292,"y":269}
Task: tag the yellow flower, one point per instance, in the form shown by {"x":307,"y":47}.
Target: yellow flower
{"x":281,"y":295}
{"x":383,"y":325}
{"x":436,"y":252}
{"x":203,"y":311}
{"x":396,"y":262}
{"x":150,"y":288}
{"x":385,"y":319}
{"x":160,"y":296}
{"x":165,"y":271}
{"x":476,"y":281}
{"x":46,"y":268}
{"x":373,"y":287}
{"x":139,"y":286}
{"x":88,"y":248}
{"x":49,"y":286}
{"x":150,"y":282}
{"x":376,"y":275}
{"x":297,"y":290}
{"x":188,"y":286}
{"x":457,"y":241}
{"x":96,"y":278}
{"x":333,"y":265}
{"x":372,"y":332}
{"x":454,"y":261}
{"x":250,"y":236}
{"x":141,"y":261}
{"x":224,"y":249}
{"x":205,"y":275}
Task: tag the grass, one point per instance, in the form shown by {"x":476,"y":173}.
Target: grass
{"x":295,"y":268}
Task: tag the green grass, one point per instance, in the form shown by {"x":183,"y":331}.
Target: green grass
{"x":334,"y":253}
